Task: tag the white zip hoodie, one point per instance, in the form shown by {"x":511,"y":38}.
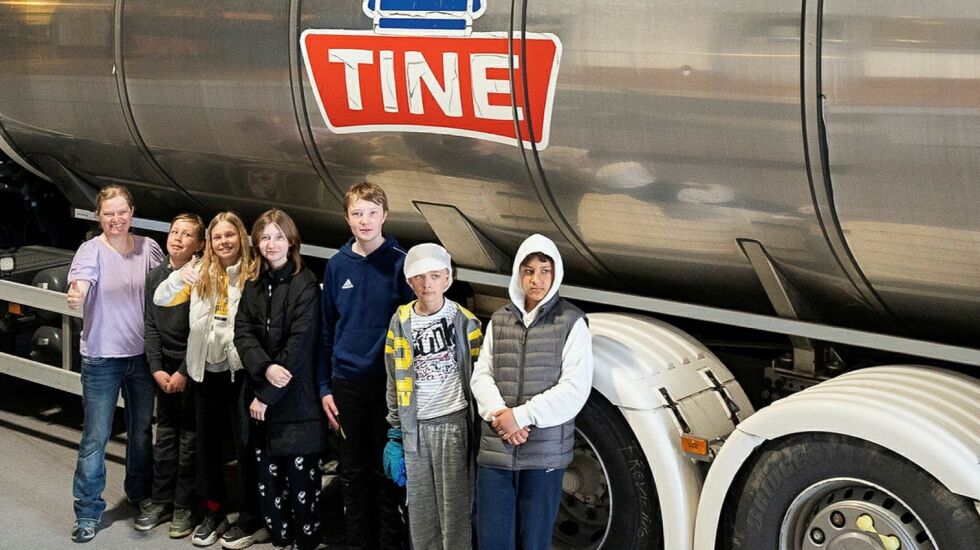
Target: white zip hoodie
{"x":206,"y":337}
{"x":566,"y":398}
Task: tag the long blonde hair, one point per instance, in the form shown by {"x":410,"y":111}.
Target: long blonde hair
{"x":211,"y":271}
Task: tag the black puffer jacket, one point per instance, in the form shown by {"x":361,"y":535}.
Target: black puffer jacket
{"x":278,"y":322}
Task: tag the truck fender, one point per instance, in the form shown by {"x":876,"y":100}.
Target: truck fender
{"x":929,"y":416}
{"x":636,"y":356}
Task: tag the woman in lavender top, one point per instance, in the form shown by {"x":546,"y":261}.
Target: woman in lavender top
{"x":106,"y":281}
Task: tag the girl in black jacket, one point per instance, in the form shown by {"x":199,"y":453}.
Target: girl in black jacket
{"x":276,"y":333}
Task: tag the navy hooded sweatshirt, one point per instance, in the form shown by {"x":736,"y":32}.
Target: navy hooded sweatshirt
{"x":360,"y":294}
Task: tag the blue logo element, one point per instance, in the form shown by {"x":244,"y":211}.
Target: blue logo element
{"x":424,"y":17}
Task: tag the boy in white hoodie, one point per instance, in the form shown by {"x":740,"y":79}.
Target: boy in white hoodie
{"x":533,"y":376}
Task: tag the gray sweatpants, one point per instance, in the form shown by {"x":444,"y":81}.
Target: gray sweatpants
{"x":440,"y":485}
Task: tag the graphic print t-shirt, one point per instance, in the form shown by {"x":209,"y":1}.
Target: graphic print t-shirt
{"x":221,"y":327}
{"x":438,"y":384}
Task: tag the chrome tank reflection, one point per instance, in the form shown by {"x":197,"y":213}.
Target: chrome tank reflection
{"x":678,"y":129}
{"x":903,"y":124}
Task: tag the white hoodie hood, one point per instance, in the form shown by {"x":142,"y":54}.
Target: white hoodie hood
{"x":534,"y":243}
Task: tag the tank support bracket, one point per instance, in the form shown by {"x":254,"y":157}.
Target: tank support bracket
{"x":467,"y":245}
{"x":787,"y":302}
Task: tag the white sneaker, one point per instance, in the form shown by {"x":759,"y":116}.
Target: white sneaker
{"x":237,"y":538}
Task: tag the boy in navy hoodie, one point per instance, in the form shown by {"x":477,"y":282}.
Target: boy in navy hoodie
{"x":362,"y":287}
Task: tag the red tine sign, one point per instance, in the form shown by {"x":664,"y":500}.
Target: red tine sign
{"x":459,"y":86}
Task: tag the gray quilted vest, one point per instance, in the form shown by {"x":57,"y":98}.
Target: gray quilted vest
{"x":526,"y":362}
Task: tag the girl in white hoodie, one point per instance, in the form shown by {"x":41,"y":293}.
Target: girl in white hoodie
{"x":213,"y":286}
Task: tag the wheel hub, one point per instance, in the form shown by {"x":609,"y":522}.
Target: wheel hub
{"x":584,"y":512}
{"x":851,"y":515}
{"x":583,"y":477}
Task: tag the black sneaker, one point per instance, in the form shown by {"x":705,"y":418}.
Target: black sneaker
{"x":182,"y":524}
{"x":211,"y":528}
{"x":237,"y":538}
{"x":151,"y":515}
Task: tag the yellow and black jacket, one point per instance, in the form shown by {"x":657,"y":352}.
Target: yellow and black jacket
{"x":401,"y":374}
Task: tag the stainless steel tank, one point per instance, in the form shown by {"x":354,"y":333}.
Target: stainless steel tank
{"x":842,"y":137}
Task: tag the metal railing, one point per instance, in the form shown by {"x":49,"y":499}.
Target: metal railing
{"x":62,"y":378}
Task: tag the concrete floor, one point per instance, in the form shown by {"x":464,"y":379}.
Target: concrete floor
{"x":39,"y":433}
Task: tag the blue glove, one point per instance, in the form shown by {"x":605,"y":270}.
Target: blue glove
{"x":393,"y":461}
{"x":402,"y":478}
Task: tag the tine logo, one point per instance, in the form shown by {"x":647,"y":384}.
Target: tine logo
{"x":423,"y":69}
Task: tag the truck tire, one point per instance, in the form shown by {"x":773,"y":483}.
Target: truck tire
{"x":829,"y":492}
{"x":609,"y":501}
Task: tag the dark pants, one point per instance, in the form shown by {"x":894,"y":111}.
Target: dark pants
{"x":175,"y":449}
{"x":517,"y":509}
{"x":219,"y":414}
{"x":289,"y":487}
{"x":370,"y":499}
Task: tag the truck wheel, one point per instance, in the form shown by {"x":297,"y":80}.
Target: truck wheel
{"x":609,"y":498}
{"x":832,"y":492}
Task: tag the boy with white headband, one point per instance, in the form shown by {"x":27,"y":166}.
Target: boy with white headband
{"x":429,"y":353}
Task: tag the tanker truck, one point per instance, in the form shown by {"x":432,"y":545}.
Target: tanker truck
{"x":768,"y":208}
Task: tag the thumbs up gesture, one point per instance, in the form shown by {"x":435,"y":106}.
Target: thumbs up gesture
{"x":75,"y":296}
{"x":189,"y":274}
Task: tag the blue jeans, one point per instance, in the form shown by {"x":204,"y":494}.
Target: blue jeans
{"x":102,"y":379}
{"x":516,"y":509}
